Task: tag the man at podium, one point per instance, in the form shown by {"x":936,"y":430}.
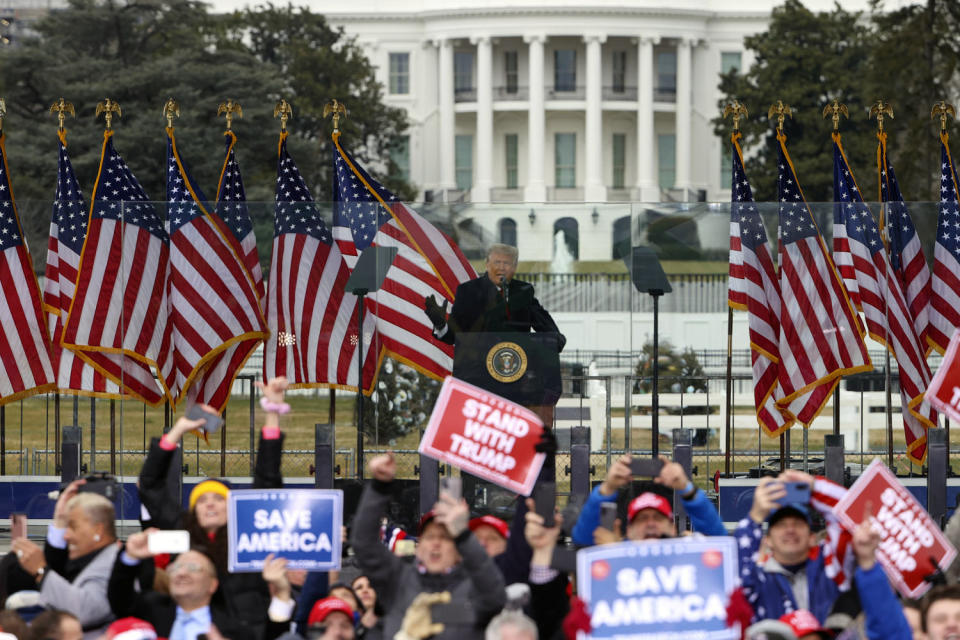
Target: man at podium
{"x":493,"y":302}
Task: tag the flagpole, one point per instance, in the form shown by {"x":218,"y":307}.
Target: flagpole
{"x":729,"y":400}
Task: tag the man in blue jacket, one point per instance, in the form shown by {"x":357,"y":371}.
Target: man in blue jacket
{"x":649,"y":515}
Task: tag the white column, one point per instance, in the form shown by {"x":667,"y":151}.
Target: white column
{"x":594,"y":189}
{"x":684,"y":110}
{"x":447,"y":124}
{"x":484,"y":173}
{"x":535,"y":189}
{"x":647,"y":186}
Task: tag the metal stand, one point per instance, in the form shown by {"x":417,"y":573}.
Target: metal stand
{"x":580,"y":461}
{"x":937,"y":475}
{"x":682,"y":455}
{"x":833,"y":463}
{"x":323,"y":461}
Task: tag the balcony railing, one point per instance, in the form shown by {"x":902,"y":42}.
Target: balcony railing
{"x":503,"y":194}
{"x":565,"y":92}
{"x":565,"y":194}
{"x":665,"y":94}
{"x":465,"y":95}
{"x":511,"y":93}
{"x":625,"y":93}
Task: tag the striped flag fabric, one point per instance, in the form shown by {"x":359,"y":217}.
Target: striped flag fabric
{"x":310,"y":316}
{"x":24,"y":347}
{"x":214,"y":306}
{"x":427,"y":263}
{"x":232,"y":210}
{"x":118,"y":318}
{"x":861,"y":257}
{"x":906,"y":253}
{"x":820,"y":336}
{"x":753,"y":287}
{"x":68,"y":230}
{"x":945,"y":284}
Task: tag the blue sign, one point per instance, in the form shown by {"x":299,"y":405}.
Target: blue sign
{"x":301,"y":525}
{"x":677,"y":588}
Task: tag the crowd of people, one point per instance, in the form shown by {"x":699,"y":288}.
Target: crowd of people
{"x":469,"y":576}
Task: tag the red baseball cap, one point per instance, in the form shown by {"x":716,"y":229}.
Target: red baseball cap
{"x":131,"y":629}
{"x":491,"y":521}
{"x":323,"y":608}
{"x":804,"y":623}
{"x":649,"y":500}
{"x":425,"y":520}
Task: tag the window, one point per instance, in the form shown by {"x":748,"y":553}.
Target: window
{"x":462,"y":72}
{"x":464,"y":162}
{"x":564,"y":70}
{"x":621,"y":238}
{"x":400,"y":154}
{"x":667,"y":74}
{"x":667,"y":159}
{"x":508,"y":232}
{"x":619,"y":71}
{"x":726,"y":170}
{"x":510,"y":147}
{"x":565,"y":160}
{"x":570,"y":247}
{"x":399,"y":73}
{"x":730,"y":60}
{"x":619,"y":160}
{"x":510,"y":70}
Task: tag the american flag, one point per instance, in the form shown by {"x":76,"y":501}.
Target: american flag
{"x":68,"y":229}
{"x":24,"y":349}
{"x":753,"y":288}
{"x":313,"y":339}
{"x":945,"y":287}
{"x":118,"y":318}
{"x":232,"y":209}
{"x":906,"y":253}
{"x":820,"y":336}
{"x":862,"y":259}
{"x":428,"y":263}
{"x":214,"y":306}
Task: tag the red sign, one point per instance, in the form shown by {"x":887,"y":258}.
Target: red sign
{"x":486,"y":435}
{"x":944,"y":390}
{"x":910,"y":541}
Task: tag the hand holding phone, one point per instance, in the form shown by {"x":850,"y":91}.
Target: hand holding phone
{"x":213,"y":422}
{"x":545,"y":501}
{"x":608,"y":515}
{"x":796,"y":493}
{"x":646,"y":467}
{"x":175,"y":541}
{"x":18,"y":526}
{"x":452,"y":486}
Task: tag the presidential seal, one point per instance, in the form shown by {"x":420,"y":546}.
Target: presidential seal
{"x":506,"y":362}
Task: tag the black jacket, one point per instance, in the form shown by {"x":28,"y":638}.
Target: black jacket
{"x":160,"y":610}
{"x":478,"y":305}
{"x":246,"y":596}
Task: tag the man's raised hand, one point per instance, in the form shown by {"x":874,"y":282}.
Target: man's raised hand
{"x":383,"y":467}
{"x":436,"y":313}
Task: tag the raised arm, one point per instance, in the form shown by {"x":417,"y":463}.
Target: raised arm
{"x":156,"y":496}
{"x":267,"y":473}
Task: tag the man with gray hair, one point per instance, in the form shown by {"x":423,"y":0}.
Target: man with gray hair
{"x":511,"y":625}
{"x":492,"y":302}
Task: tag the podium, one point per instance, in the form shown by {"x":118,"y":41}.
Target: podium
{"x":522,"y":367}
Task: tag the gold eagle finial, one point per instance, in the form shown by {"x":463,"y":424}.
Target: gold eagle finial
{"x":230,"y":107}
{"x":737,"y":110}
{"x":109,"y":107}
{"x":61,"y":107}
{"x":284,"y":111}
{"x":879,"y":110}
{"x":338,"y":109}
{"x":171,"y":110}
{"x":835,"y":110}
{"x":943,"y":109}
{"x":781,"y":111}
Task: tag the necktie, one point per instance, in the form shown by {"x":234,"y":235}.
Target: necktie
{"x":179,"y":629}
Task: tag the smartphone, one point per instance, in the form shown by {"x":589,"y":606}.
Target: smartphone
{"x":458,"y":612}
{"x":564,"y":559}
{"x":18,"y":526}
{"x":177,"y":541}
{"x":213,"y":421}
{"x":608,"y":515}
{"x":545,"y":500}
{"x":452,"y":486}
{"x":646,"y":467}
{"x":796,"y":493}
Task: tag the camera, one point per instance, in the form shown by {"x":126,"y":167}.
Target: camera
{"x":102,"y":484}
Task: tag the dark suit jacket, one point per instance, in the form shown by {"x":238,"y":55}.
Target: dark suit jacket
{"x":479,"y":306}
{"x":160,"y":610}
